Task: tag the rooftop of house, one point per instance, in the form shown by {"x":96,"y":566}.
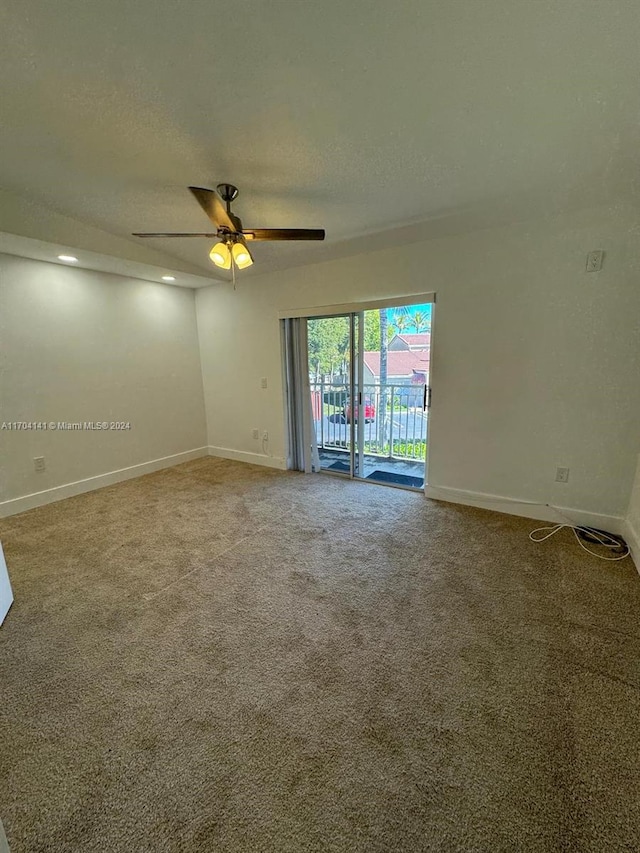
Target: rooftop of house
{"x":399,"y":362}
{"x":410,"y":340}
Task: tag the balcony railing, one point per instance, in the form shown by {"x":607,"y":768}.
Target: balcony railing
{"x":395,"y":421}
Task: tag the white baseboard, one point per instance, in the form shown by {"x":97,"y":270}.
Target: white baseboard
{"x":58,"y":493}
{"x":527,"y":509}
{"x":252,"y":458}
{"x":632,"y":538}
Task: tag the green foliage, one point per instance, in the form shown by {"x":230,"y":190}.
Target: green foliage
{"x":372,"y":331}
{"x":328,"y":339}
{"x":401,"y":322}
{"x":413,"y":448}
{"x":403,"y":449}
{"x":420,"y":321}
{"x":384,"y":340}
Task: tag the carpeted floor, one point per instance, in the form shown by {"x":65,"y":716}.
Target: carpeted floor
{"x":220,"y":657}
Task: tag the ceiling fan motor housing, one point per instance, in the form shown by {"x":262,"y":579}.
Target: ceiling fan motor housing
{"x":228,"y":192}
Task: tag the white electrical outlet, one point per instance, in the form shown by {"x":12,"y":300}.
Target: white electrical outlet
{"x":38,"y":463}
{"x":263,"y":382}
{"x":594,"y":261}
{"x":562,"y":475}
{"x":255,"y":434}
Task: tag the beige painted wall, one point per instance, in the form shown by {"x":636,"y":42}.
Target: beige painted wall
{"x":77,"y":345}
{"x":535,"y":362}
{"x":633,"y":518}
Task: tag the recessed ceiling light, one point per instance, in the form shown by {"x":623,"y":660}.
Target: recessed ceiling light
{"x":68,"y":259}
{"x":168,"y":278}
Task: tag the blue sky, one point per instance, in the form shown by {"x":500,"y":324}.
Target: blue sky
{"x":409,"y":311}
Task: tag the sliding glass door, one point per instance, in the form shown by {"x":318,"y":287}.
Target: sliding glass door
{"x":369,"y":385}
{"x":396,"y":394}
{"x":333,"y":344}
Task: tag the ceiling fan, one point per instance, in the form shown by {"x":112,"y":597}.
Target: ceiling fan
{"x":231,"y":248}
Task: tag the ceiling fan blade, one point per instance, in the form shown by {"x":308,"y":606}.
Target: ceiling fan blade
{"x":214,"y":207}
{"x":283,"y":233}
{"x":178,"y":234}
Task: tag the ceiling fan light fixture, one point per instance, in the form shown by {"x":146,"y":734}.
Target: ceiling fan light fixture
{"x":241,"y":256}
{"x":231,"y":249}
{"x":221,"y":256}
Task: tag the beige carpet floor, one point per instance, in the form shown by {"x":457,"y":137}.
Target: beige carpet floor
{"x":220,"y":657}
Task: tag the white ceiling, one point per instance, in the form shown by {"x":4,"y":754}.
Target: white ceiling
{"x":361,"y":117}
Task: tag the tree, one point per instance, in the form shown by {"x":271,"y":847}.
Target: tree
{"x":420,"y":321}
{"x":328,"y":342}
{"x":384,"y":345}
{"x":372,"y":331}
{"x":400,"y":321}
{"x":384,"y":349}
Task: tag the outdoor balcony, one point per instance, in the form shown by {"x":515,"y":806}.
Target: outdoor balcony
{"x":393,"y":432}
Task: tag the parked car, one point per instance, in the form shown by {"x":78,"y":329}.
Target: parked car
{"x":369,"y":412}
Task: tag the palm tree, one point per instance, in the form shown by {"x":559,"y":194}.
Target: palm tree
{"x":420,"y":321}
{"x":400,"y":321}
{"x":384,"y":348}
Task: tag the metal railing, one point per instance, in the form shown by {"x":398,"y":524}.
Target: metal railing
{"x":395,"y":421}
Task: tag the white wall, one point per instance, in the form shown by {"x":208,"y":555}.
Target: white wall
{"x":78,"y":345}
{"x":632,"y":526}
{"x":534,"y":361}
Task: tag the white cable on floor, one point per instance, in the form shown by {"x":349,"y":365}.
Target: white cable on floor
{"x":604,"y":539}
{"x":611,"y":542}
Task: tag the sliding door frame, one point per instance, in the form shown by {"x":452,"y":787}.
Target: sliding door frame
{"x":354,"y":312}
{"x":317,"y":312}
{"x":359,"y":404}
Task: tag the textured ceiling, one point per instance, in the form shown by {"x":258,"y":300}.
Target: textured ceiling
{"x":360,"y":117}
